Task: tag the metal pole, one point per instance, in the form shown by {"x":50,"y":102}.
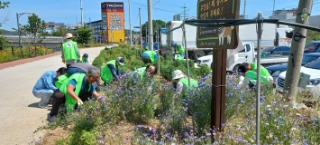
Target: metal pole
{"x":274,"y":2}
{"x":244,"y":9}
{"x":186,"y":52}
{"x":141,"y":43}
{"x":81,"y":12}
{"x":259,"y":33}
{"x":150,"y":24}
{"x":17,"y":15}
{"x":130,"y":24}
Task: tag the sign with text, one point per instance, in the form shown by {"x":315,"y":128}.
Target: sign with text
{"x":218,"y":37}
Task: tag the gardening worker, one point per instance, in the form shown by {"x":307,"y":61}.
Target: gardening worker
{"x":263,"y":71}
{"x":45,"y":88}
{"x":249,"y":77}
{"x":111,"y":70}
{"x":85,"y":58}
{"x":70,"y":51}
{"x":179,"y":51}
{"x":180,"y":83}
{"x":78,"y":88}
{"x":143,"y":72}
{"x":149,"y":56}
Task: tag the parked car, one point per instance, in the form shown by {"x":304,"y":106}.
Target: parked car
{"x":275,"y":70}
{"x":313,"y":46}
{"x":313,"y":87}
{"x":275,"y":51}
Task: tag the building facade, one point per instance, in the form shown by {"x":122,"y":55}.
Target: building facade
{"x":97,"y":30}
{"x":112,"y":16}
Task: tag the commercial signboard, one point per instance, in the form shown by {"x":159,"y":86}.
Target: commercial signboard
{"x":218,"y":37}
{"x":113,"y":20}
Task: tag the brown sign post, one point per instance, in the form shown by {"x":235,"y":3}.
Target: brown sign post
{"x":221,"y":39}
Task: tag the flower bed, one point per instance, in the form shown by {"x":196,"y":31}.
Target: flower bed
{"x":153,"y":114}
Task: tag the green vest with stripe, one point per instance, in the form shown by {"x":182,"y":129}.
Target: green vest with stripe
{"x":70,"y":50}
{"x":186,"y":87}
{"x":140,"y":72}
{"x":263,"y":71}
{"x":70,"y":102}
{"x":60,"y":80}
{"x":252,"y":75}
{"x":152,"y":55}
{"x":179,"y":49}
{"x":106,"y":74}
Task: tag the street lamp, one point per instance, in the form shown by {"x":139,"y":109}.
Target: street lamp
{"x":19,"y":32}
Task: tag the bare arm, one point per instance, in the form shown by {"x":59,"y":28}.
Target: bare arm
{"x":70,"y":91}
{"x":96,"y":95}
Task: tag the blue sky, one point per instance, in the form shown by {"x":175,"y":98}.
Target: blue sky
{"x":68,"y":11}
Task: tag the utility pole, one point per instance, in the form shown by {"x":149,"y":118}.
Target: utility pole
{"x":141,"y":43}
{"x":244,"y":9}
{"x":150,"y":24}
{"x":184,"y":12}
{"x":81,"y":13}
{"x":130,"y":24}
{"x":296,"y":51}
{"x":274,"y":2}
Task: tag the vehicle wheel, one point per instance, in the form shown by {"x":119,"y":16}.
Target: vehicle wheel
{"x":198,"y":54}
{"x":235,"y":69}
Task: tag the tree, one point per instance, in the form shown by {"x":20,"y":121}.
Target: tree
{"x":2,"y":39}
{"x":156,"y":24}
{"x":84,"y":35}
{"x":313,"y":35}
{"x":61,"y":31}
{"x":4,"y":4}
{"x":35,"y":28}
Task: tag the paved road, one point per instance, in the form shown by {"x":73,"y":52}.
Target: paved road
{"x":19,"y":115}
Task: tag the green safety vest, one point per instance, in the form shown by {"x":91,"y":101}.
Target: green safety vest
{"x":186,"y":87}
{"x":252,"y":75}
{"x":60,"y":80}
{"x":263,"y":71}
{"x":106,"y":74}
{"x":152,"y":55}
{"x":70,"y":102}
{"x":84,"y":61}
{"x":70,"y":50}
{"x":140,"y":72}
{"x":179,"y":49}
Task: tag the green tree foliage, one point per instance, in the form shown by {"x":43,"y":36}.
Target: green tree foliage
{"x":157,"y":24}
{"x":313,"y":35}
{"x":4,"y":4}
{"x":35,"y":28}
{"x":84,"y":35}
{"x":2,"y":39}
{"x":61,"y":31}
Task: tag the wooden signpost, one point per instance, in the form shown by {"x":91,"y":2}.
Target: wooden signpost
{"x":221,"y":39}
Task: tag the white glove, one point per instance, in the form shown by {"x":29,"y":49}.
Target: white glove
{"x":100,"y":98}
{"x":80,"y":103}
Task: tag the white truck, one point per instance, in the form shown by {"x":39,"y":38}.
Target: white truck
{"x":243,"y":53}
{"x":247,"y":33}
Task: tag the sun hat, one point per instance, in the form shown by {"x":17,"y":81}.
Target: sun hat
{"x":68,"y":36}
{"x":120,"y":60}
{"x":177,"y":74}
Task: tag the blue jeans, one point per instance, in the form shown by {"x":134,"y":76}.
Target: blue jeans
{"x":44,"y":95}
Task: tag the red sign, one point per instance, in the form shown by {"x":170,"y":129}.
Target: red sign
{"x":112,"y":7}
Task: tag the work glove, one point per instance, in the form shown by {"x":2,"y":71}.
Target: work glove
{"x":100,"y":98}
{"x":80,"y":103}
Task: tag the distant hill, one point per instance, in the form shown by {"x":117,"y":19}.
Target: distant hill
{"x":6,"y":32}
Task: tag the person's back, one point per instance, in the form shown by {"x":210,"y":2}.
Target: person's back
{"x":186,"y":87}
{"x":140,"y":72}
{"x":70,"y":53}
{"x":46,"y":81}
